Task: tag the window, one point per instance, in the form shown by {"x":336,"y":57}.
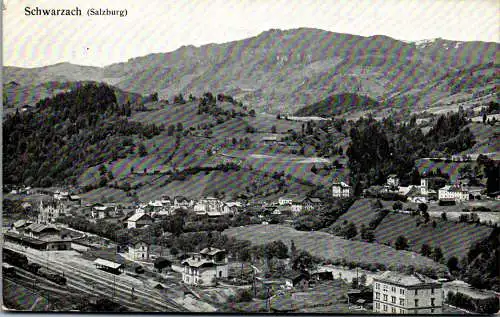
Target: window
{"x":432,"y":291}
{"x":220,"y":273}
{"x":377,"y":286}
{"x":401,"y":302}
{"x":385,"y":297}
{"x":393,"y":289}
{"x":385,"y":288}
{"x":377,"y":295}
{"x":401,"y":291}
{"x":377,"y":305}
{"x":401,"y":311}
{"x":432,"y":310}
{"x":393,"y":299}
{"x":416,"y":292}
{"x":393,"y":310}
{"x":385,"y":307}
{"x":432,"y":301}
{"x":416,"y":303}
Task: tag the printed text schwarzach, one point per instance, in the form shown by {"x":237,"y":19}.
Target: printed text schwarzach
{"x":38,"y":11}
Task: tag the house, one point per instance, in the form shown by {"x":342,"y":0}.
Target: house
{"x":232,"y":208}
{"x":297,"y":280}
{"x":341,"y":190}
{"x":392,"y":181}
{"x":269,"y":139}
{"x":398,"y":293}
{"x":139,"y":220}
{"x":415,"y":195}
{"x":50,"y":210}
{"x":209,"y":205}
{"x":181,"y":202}
{"x":205,"y":268}
{"x":297,"y":205}
{"x":287,"y":200}
{"x":75,"y":199}
{"x":61,"y":195}
{"x":139,"y":249}
{"x":311,"y":203}
{"x":453,"y":192}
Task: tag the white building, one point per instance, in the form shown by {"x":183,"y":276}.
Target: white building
{"x":286,"y":200}
{"x":50,"y":210}
{"x":453,"y":192}
{"x":396,"y":293}
{"x":139,"y":250}
{"x":341,"y":190}
{"x":205,"y":268}
{"x":209,"y":205}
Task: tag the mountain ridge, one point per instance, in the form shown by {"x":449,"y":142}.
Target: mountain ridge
{"x":279,"y":70}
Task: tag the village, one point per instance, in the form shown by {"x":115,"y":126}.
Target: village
{"x":214,"y":279}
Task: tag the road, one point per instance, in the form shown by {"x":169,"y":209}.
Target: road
{"x":87,"y":279}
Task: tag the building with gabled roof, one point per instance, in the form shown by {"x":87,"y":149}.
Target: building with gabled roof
{"x":453,"y":192}
{"x":139,"y":220}
{"x":205,"y":267}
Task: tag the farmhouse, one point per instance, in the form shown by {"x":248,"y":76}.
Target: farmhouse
{"x":341,"y":190}
{"x":398,"y":293}
{"x":205,"y":268}
{"x":139,"y":220}
{"x":453,"y":192}
{"x":100,"y":211}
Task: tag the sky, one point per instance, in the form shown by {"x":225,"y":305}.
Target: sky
{"x":154,"y":26}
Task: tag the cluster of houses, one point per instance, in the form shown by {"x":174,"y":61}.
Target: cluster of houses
{"x":452,"y":193}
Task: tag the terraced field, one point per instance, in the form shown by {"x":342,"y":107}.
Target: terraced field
{"x":455,"y":239}
{"x":327,"y":246}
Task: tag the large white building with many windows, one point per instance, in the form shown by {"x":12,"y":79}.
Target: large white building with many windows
{"x":397,"y":293}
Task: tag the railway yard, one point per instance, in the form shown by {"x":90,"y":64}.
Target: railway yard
{"x":84,"y":284}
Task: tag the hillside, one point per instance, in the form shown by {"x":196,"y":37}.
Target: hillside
{"x":455,"y":239}
{"x":329,"y":247}
{"x":282,"y":71}
{"x":338,"y":104}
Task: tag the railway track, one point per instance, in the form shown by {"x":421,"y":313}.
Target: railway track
{"x":106,"y":284}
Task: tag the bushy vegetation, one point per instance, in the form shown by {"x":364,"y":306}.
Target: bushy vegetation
{"x":482,"y":306}
{"x":378,"y":149}
{"x":69,"y":131}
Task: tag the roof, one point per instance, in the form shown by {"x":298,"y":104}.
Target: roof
{"x":415,"y":191}
{"x":315,"y":200}
{"x":155,"y":203}
{"x":404,"y":279}
{"x":197,"y":263}
{"x":21,"y":223}
{"x":37,"y":227}
{"x":138,"y":216}
{"x":180,"y":198}
{"x":211,"y":251}
{"x":451,"y":188}
{"x":107,"y":263}
{"x":341,"y":184}
{"x":392,"y":176}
